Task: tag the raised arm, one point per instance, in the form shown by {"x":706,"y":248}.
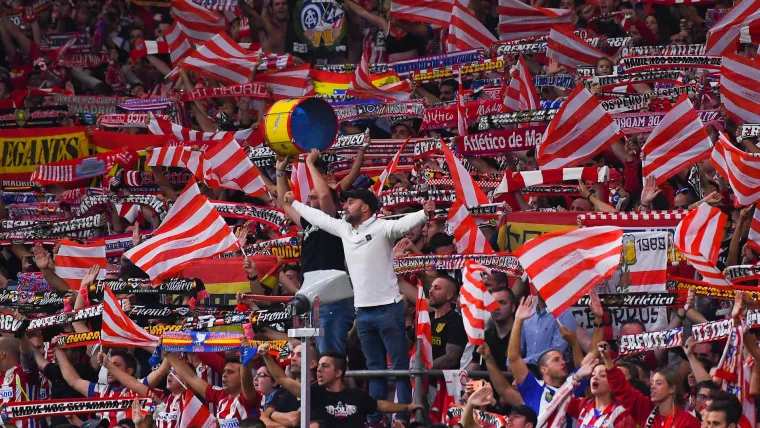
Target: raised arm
{"x":500,"y":383}
{"x":291,"y":385}
{"x":331,"y":225}
{"x":356,"y":167}
{"x":42,"y":257}
{"x":324,"y":193}
{"x":246,"y":380}
{"x":398,"y":228}
{"x":188,"y":375}
{"x":516,"y":363}
{"x":70,"y":374}
{"x":123,"y":377}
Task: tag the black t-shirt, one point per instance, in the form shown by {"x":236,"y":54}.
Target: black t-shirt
{"x":320,"y":250}
{"x":284,"y":402}
{"x":498,"y":348}
{"x":317,"y":29}
{"x":447,"y":329}
{"x":348,"y":408}
{"x":61,"y":389}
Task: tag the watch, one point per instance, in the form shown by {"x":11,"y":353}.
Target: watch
{"x":253,"y":278}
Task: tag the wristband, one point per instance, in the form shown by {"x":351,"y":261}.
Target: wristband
{"x":281,"y":174}
{"x":253,"y":278}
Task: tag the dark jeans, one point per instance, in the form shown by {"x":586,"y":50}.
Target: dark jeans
{"x":382,"y":332}
{"x":336,"y":319}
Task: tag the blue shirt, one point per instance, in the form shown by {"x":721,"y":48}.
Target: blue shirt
{"x":538,"y":394}
{"x":540,"y":333}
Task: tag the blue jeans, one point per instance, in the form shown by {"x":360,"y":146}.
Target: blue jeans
{"x":336,"y":319}
{"x":382,"y":332}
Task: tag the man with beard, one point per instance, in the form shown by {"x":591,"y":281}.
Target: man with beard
{"x":331,"y":401}
{"x":368,"y":245}
{"x":113,"y":388}
{"x":448,"y":335}
{"x":272,"y":24}
{"x":537,"y":394}
{"x":236,"y":400}
{"x":497,"y":335}
{"x":283,"y":408}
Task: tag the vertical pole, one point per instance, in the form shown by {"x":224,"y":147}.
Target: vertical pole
{"x":418,"y":397}
{"x":305,"y":384}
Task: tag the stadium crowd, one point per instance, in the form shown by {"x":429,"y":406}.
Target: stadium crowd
{"x":136,"y":173}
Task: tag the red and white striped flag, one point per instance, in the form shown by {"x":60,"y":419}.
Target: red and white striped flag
{"x":749,"y":32}
{"x":148,"y":47}
{"x":740,"y":88}
{"x":698,"y":237}
{"x":223,"y":59}
{"x":192,"y":230}
{"x":467,"y":236}
{"x":292,"y":82}
{"x":722,"y":37}
{"x":424,"y":330}
{"x":362,"y":86}
{"x":521,"y":94}
{"x":176,"y":156}
{"x":377,"y":188}
{"x":475,"y":302}
{"x":678,"y":141}
{"x":74,"y":260}
{"x":225,"y":165}
{"x":200,"y":24}
{"x":580,"y":130}
{"x":436,"y":12}
{"x":301,"y":182}
{"x":467,"y":190}
{"x":466,"y":31}
{"x":118,"y":330}
{"x":513,"y":181}
{"x":178,"y":41}
{"x":159,"y":126}
{"x":753,"y":240}
{"x":567,"y":264}
{"x":195,"y":414}
{"x":741,"y":169}
{"x":518,"y":20}
{"x":570,"y":50}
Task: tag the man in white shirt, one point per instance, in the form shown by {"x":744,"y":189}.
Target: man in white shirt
{"x":368,"y":244}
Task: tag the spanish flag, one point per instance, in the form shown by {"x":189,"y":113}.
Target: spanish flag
{"x":327,"y":82}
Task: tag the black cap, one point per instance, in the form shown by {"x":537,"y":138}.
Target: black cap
{"x":95,"y":423}
{"x":365,"y":196}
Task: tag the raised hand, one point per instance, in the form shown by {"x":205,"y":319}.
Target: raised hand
{"x":595,"y":305}
{"x":90,"y":276}
{"x":485,"y":351}
{"x":481,"y":397}
{"x":526,"y":308}
{"x":41,"y":257}
{"x":249,"y":266}
{"x":586,"y":369}
{"x":650,"y":190}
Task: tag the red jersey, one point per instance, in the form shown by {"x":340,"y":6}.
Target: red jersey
{"x":169,"y":416}
{"x":614,"y":416}
{"x":231,"y":410}
{"x":640,"y":406}
{"x":99,"y":390}
{"x":19,"y":385}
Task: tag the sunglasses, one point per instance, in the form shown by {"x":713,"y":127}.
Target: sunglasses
{"x":682,"y":190}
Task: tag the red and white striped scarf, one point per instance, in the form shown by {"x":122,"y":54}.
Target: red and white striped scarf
{"x":554,"y":415}
{"x":513,"y":181}
{"x":300,"y":178}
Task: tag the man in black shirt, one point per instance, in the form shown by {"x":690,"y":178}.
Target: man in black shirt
{"x":331,"y":401}
{"x":320,"y":251}
{"x":448,"y":335}
{"x":497,"y":334}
